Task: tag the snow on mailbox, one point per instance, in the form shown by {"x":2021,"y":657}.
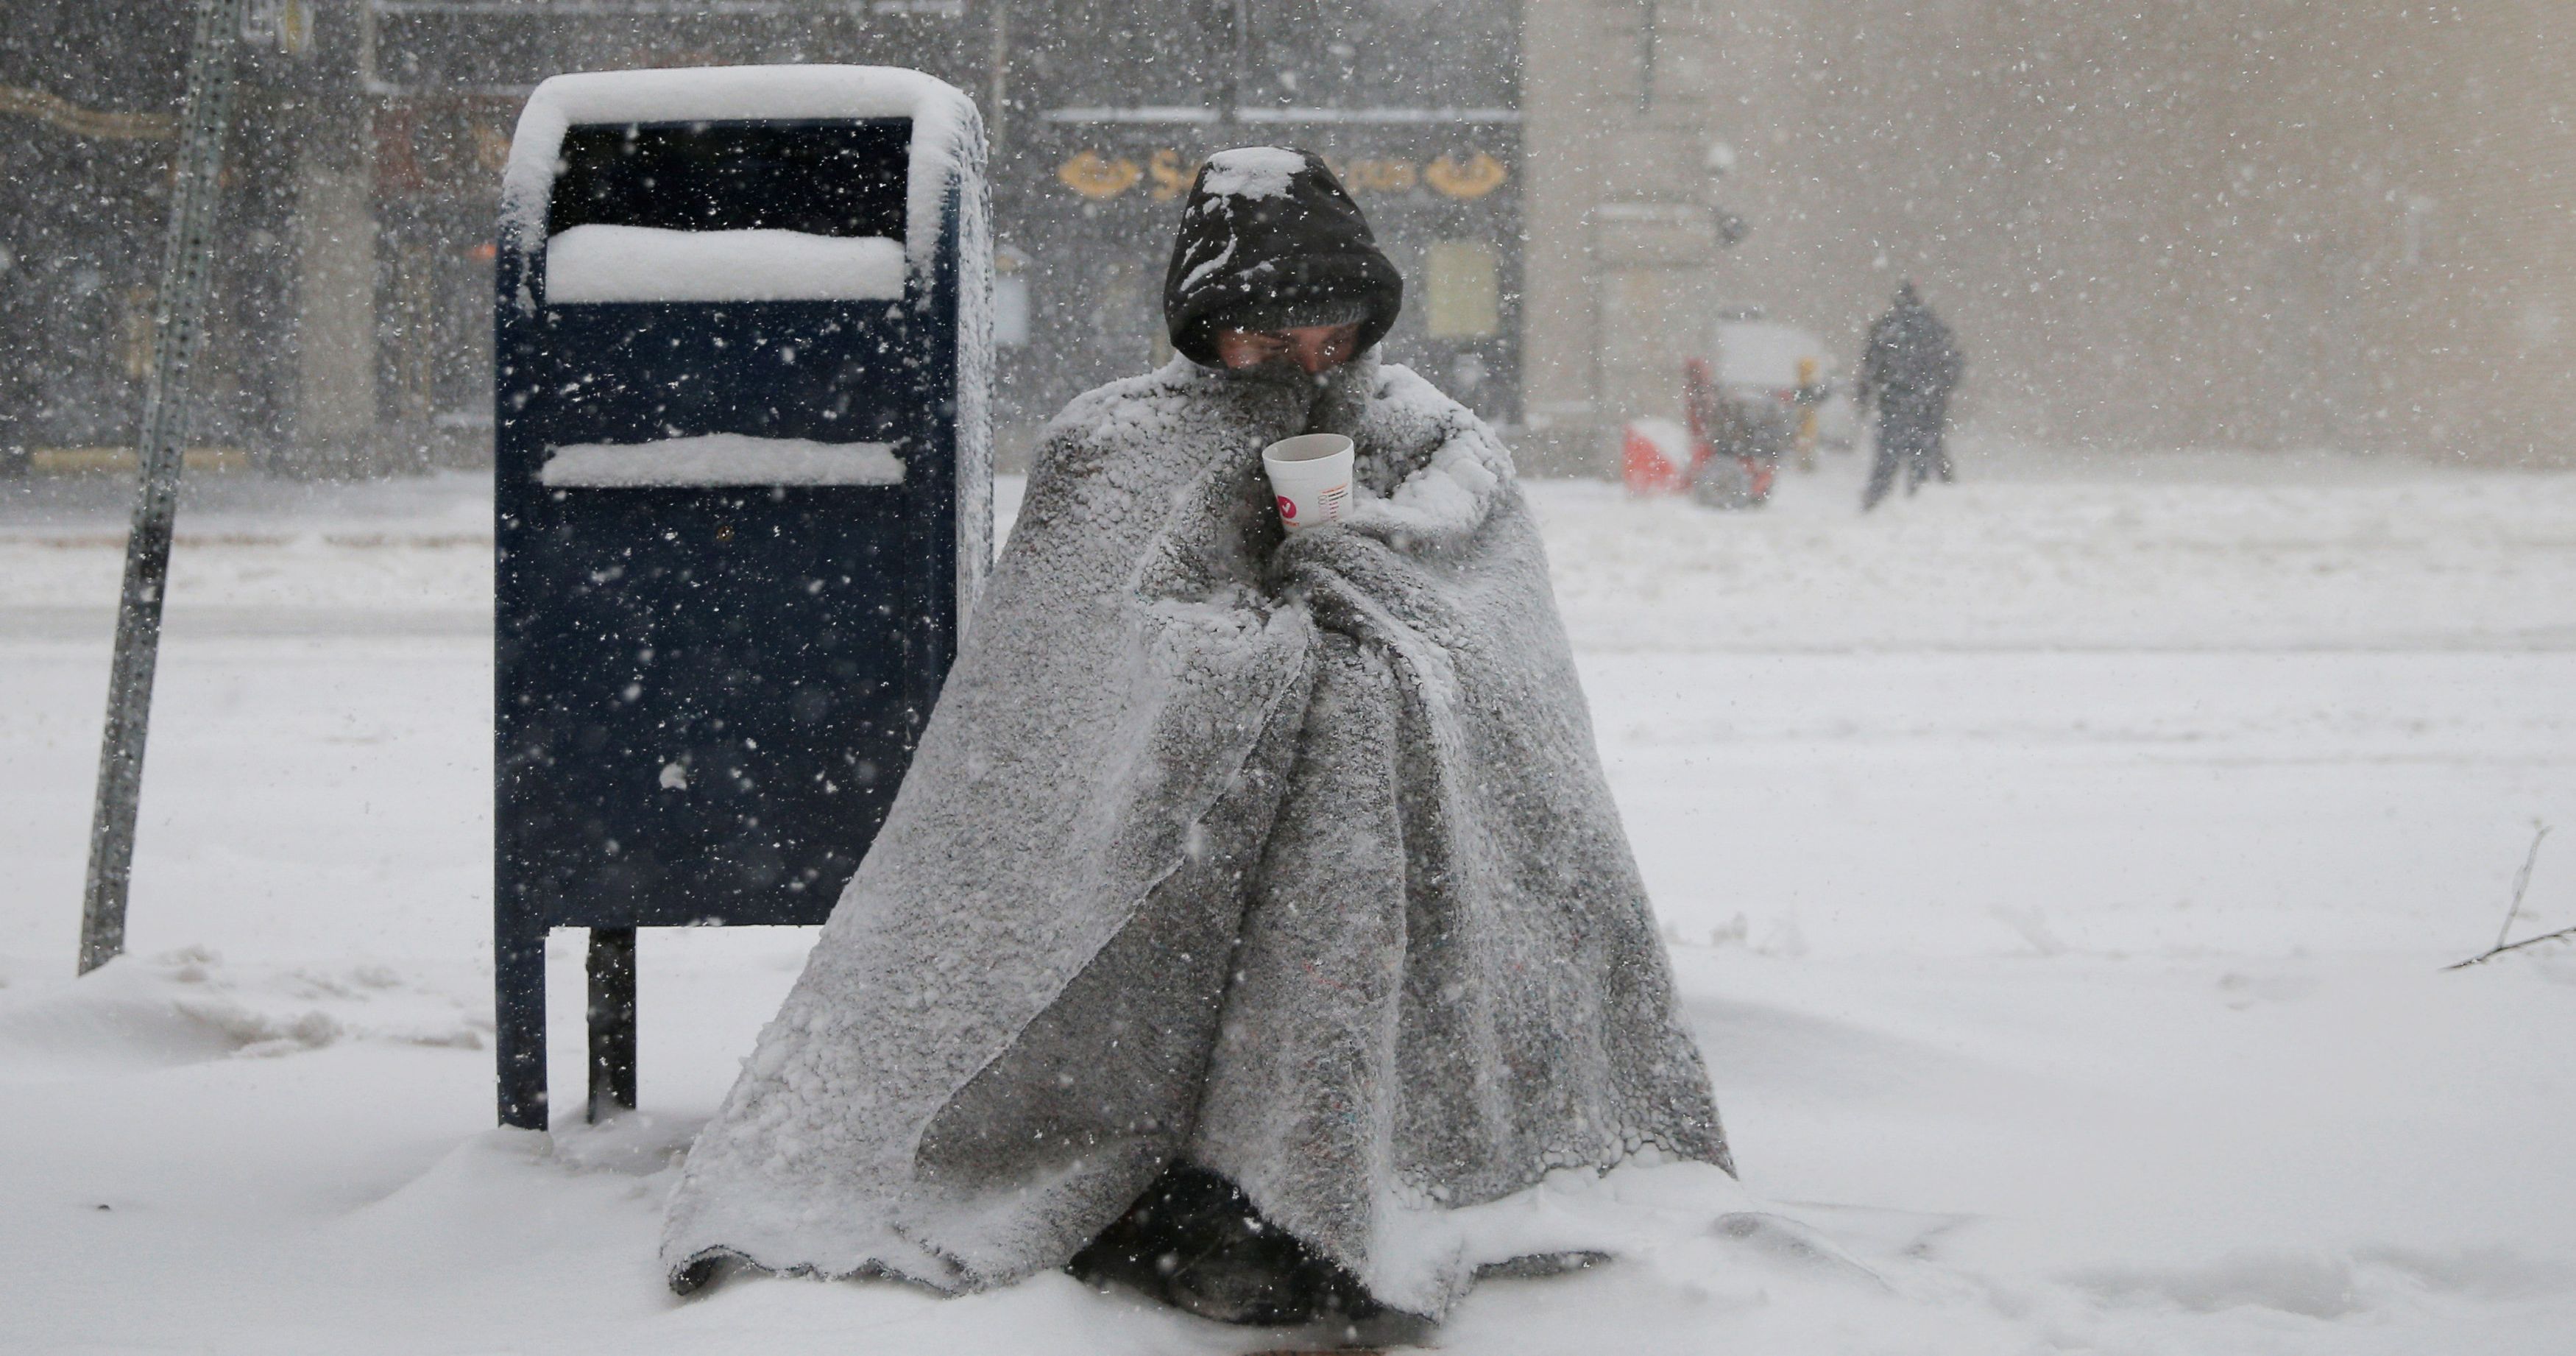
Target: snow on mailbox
{"x":744,"y":495}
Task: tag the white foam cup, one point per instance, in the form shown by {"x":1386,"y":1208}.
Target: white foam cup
{"x":1310,"y":475}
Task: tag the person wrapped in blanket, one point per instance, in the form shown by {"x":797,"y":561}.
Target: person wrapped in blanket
{"x":1255,"y":926}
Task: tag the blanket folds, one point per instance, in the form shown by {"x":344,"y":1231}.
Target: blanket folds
{"x":1292,"y":858}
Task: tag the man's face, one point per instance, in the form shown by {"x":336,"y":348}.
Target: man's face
{"x":1316,"y":348}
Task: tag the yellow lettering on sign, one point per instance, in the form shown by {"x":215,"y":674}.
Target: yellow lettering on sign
{"x":1097,"y":176}
{"x":1171,"y":177}
{"x":1093,"y":177}
{"x":1482,"y":174}
{"x":1384,"y":176}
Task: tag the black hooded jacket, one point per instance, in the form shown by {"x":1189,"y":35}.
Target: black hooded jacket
{"x":1911,"y":362}
{"x":1269,"y":240}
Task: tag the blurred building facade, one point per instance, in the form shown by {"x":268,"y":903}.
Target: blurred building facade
{"x":366,"y":161}
{"x":2256,"y":223}
{"x":2260,"y":223}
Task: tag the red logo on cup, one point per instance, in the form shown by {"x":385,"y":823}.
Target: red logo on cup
{"x":1287,"y":508}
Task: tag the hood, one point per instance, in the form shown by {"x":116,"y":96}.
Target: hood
{"x":1269,"y":239}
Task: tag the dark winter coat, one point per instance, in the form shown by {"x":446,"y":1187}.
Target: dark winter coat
{"x":1910,"y":364}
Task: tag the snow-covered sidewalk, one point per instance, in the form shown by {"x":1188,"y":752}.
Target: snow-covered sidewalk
{"x":2058,"y":867}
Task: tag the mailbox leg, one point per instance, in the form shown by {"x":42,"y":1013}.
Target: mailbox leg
{"x":519,"y":1024}
{"x":612,"y":1021}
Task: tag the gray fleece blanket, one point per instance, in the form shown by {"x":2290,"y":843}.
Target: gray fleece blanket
{"x":1292,"y":858}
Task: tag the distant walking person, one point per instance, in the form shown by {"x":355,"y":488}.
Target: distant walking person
{"x":1909,"y":369}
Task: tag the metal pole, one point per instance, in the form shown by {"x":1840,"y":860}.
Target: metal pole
{"x":1000,"y":117}
{"x":1238,"y":74}
{"x":187,"y":267}
{"x":612,"y":1022}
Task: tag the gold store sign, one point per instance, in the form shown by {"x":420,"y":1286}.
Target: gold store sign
{"x":1101,"y":177}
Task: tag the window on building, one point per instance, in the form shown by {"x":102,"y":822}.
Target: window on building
{"x":1466,"y":290}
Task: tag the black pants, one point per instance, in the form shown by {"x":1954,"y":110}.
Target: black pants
{"x":1910,"y":442}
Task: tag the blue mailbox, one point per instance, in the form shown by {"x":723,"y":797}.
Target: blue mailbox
{"x":743,"y":500}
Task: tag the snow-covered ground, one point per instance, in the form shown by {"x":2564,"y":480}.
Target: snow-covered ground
{"x":2059,"y":867}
